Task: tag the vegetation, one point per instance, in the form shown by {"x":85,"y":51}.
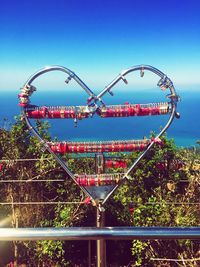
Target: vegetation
{"x":163,"y":191}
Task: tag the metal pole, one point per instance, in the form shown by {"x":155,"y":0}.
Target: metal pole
{"x":101,"y":243}
{"x":100,"y":216}
{"x":89,"y":253}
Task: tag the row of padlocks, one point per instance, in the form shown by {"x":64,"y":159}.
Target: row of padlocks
{"x":99,"y":146}
{"x":82,"y":112}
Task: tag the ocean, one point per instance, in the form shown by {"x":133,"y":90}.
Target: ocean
{"x":185,"y":131}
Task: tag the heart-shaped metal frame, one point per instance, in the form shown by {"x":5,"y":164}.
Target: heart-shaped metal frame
{"x":94,"y":103}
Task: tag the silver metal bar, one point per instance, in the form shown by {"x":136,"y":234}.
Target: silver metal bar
{"x":93,"y":233}
{"x":101,"y":244}
{"x":35,"y":132}
{"x":153,"y":142}
{"x":57,"y":158}
{"x":133,"y":166}
{"x":131,"y":69}
{"x":164,"y":80}
{"x":63,"y":69}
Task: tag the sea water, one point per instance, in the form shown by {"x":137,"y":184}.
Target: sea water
{"x":185,"y":131}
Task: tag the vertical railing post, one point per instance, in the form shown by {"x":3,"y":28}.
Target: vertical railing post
{"x":100,"y":216}
{"x":89,"y":254}
{"x":101,"y":243}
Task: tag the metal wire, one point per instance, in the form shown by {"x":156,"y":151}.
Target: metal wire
{"x":82,"y":202}
{"x":41,"y":203}
{"x":172,"y":203}
{"x":174,"y":260}
{"x":163,"y":83}
{"x":15,"y":160}
{"x":29,"y":181}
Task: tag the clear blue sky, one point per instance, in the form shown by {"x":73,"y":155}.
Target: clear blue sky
{"x":99,"y":38}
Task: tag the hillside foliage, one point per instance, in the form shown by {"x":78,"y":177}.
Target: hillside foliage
{"x":162,"y":191}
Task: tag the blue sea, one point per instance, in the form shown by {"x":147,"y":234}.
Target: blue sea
{"x":185,"y":131}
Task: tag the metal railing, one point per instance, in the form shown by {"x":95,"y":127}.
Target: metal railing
{"x":95,"y":233}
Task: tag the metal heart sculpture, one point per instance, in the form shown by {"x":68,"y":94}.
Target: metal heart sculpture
{"x":100,"y":186}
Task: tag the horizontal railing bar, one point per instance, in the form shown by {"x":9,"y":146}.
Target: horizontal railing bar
{"x":93,"y":233}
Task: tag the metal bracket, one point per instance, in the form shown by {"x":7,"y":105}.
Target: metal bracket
{"x":124,"y":79}
{"x":164,"y":83}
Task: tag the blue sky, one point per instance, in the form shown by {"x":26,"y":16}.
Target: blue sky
{"x":97,"y":39}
